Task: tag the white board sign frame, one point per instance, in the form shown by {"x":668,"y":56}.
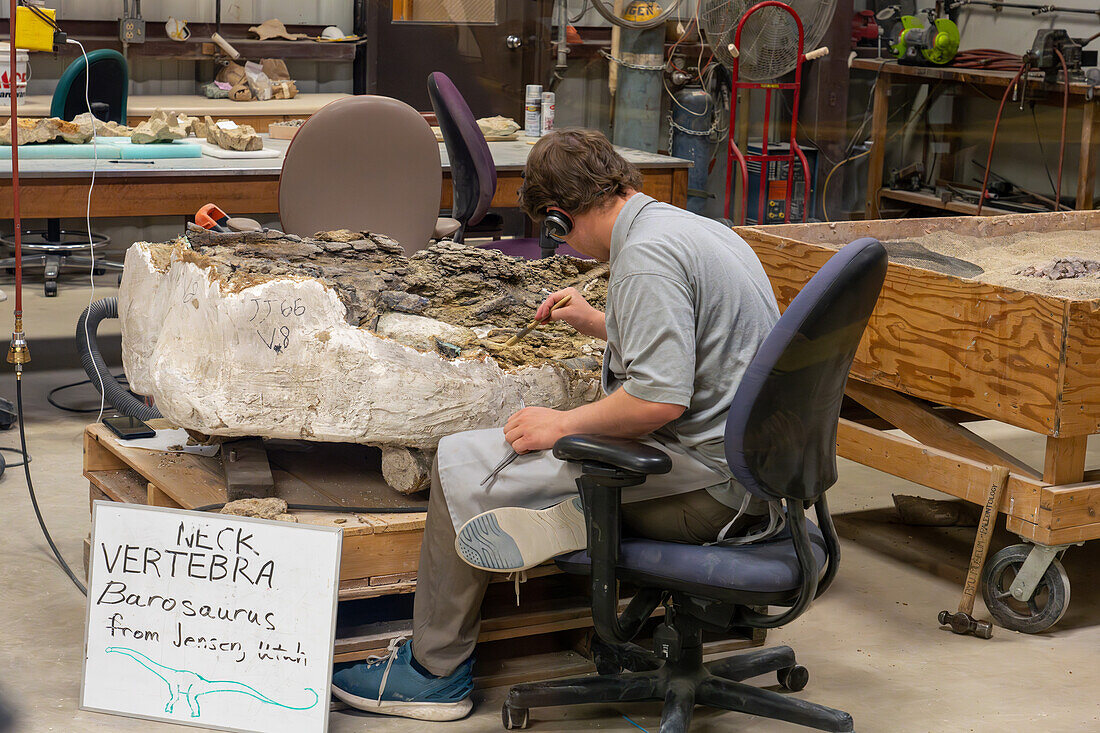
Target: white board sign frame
{"x":324,"y":695}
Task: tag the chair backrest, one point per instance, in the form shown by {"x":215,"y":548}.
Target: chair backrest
{"x":108,"y":83}
{"x":364,"y":163}
{"x":781,"y":428}
{"x":473,"y":174}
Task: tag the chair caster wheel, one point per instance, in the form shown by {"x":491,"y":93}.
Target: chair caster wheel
{"x":50,"y":286}
{"x":514,"y":718}
{"x":793,"y":678}
{"x":99,"y":271}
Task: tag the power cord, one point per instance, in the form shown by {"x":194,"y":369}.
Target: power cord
{"x":49,"y":395}
{"x":88,"y":213}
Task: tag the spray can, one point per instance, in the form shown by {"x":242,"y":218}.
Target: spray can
{"x":547,"y":113}
{"x":532,"y":106}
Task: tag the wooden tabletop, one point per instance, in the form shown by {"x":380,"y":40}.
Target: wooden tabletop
{"x":980,"y":77}
{"x":509,"y":157}
{"x":250,"y":186}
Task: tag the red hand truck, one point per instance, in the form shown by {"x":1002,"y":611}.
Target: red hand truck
{"x":794,"y":153}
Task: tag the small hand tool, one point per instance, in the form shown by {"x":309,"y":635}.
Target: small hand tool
{"x":507,"y":460}
{"x":536,"y":323}
{"x":962,"y":622}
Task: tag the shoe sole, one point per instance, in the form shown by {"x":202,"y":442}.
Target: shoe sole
{"x":434,"y":711}
{"x":514,"y":539}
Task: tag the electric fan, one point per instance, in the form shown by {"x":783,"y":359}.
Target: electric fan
{"x":769,"y":42}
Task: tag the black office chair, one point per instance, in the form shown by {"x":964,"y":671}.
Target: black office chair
{"x":781,"y":445}
{"x":53,"y":247}
{"x":474,"y":177}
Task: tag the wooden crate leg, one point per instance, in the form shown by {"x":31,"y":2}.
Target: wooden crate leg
{"x":1065,"y":460}
{"x":1086,"y":177}
{"x":879,"y":114}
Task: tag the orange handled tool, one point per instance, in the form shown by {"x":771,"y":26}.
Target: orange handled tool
{"x":211,"y":217}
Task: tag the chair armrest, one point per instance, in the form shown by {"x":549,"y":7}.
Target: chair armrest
{"x":445,"y":226}
{"x":628,"y":455}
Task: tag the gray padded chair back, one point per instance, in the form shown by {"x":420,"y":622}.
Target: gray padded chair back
{"x":364,"y":163}
{"x":781,"y":429}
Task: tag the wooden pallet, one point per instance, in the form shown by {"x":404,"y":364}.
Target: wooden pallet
{"x":380,"y":553}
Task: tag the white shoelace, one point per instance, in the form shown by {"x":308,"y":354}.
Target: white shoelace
{"x":392,"y":649}
{"x":777,"y":520}
{"x":520,"y":576}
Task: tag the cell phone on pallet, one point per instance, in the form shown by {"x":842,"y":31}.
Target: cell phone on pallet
{"x":129,"y":428}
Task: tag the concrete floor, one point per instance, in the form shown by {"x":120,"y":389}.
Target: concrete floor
{"x":871,"y":643}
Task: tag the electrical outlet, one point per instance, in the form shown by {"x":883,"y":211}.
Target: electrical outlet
{"x":131,"y":30}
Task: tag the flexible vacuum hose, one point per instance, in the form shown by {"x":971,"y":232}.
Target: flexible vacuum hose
{"x":96,"y":368}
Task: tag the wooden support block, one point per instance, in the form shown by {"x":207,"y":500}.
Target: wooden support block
{"x":247,"y":472}
{"x":96,"y":456}
{"x":1065,"y":460}
{"x":159,"y":498}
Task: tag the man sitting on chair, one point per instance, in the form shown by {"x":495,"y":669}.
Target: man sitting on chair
{"x":688,"y":304}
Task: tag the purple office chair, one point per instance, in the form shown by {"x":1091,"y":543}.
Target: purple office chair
{"x":474,"y":176}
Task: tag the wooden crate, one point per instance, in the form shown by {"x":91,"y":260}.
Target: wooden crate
{"x":1022,"y":358}
{"x":380,"y":552}
{"x":939,"y":348}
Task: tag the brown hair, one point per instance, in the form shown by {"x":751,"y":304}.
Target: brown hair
{"x":575,"y":170}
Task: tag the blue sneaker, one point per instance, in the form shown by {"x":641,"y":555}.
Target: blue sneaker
{"x":391,"y":686}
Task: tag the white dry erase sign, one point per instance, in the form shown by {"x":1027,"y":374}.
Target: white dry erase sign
{"x":210,"y":620}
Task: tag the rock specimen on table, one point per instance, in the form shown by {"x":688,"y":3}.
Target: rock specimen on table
{"x":1062,"y":268}
{"x":237,"y":137}
{"x":275,"y":335}
{"x":102,"y":129}
{"x":498,"y":126}
{"x":45,"y":130}
{"x":160,"y":127}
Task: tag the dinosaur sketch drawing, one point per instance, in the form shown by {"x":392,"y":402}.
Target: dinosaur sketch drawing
{"x":190,"y":686}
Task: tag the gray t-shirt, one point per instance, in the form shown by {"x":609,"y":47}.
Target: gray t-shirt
{"x":688,"y":305}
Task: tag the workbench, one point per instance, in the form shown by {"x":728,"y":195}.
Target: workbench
{"x":941,"y":350}
{"x":890,"y":73}
{"x":257,"y":114}
{"x":59,"y":188}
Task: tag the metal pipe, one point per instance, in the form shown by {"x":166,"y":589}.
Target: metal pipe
{"x":1035,"y":8}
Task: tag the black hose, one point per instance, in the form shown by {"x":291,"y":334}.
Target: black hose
{"x":100,"y":376}
{"x":30,"y":487}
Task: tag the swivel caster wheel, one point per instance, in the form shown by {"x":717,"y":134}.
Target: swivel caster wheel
{"x":794,"y":678}
{"x":514,"y":718}
{"x":1047,"y":604}
{"x":99,"y":271}
{"x":50,"y":286}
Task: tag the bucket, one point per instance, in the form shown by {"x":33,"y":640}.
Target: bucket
{"x":22,"y":73}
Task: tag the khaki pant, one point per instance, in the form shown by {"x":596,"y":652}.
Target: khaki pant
{"x":447,"y":606}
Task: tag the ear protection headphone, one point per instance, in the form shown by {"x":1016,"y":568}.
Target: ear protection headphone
{"x":559,"y":224}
